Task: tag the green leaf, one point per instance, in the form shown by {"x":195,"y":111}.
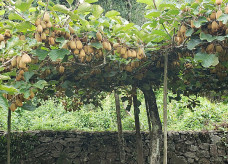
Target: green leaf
{"x":8,"y":89}
{"x":84,"y":7}
{"x":97,"y":10}
{"x":112,"y":13}
{"x":199,"y":22}
{"x":3,"y":102}
{"x":193,"y":43}
{"x":58,"y":54}
{"x":13,"y":16}
{"x":23,"y":6}
{"x":40,"y":53}
{"x":91,"y":1}
{"x":70,"y":1}
{"x":148,"y":2}
{"x":189,"y":32}
{"x":28,"y":75}
{"x":2,"y":12}
{"x":153,"y":14}
{"x":24,"y":26}
{"x":40,"y":84}
{"x":97,"y":45}
{"x":223,"y":18}
{"x":207,"y":59}
{"x":3,"y":77}
{"x":211,"y":38}
{"x":29,"y":106}
{"x":61,"y":8}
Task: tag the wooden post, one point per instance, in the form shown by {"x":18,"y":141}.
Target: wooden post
{"x":137,"y":127}
{"x":120,"y":131}
{"x":8,"y":136}
{"x":165,"y":110}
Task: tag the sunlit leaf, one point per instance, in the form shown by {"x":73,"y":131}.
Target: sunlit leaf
{"x":91,"y":1}
{"x":193,"y":43}
{"x":61,"y":8}
{"x":3,"y":102}
{"x":13,"y":16}
{"x":58,"y":54}
{"x":112,"y":13}
{"x":207,"y":59}
{"x":40,"y":53}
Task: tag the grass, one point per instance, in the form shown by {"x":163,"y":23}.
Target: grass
{"x":52,"y":116}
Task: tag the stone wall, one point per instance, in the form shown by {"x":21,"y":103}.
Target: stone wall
{"x":66,"y":147}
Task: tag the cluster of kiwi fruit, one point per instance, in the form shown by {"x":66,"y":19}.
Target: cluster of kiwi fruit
{"x":17,"y":101}
{"x":74,"y":105}
{"x":4,"y":37}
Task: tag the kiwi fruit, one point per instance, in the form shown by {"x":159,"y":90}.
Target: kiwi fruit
{"x":32,"y":95}
{"x":67,"y":35}
{"x":19,"y":103}
{"x":72,"y":45}
{"x":26,"y":58}
{"x":105,"y":45}
{"x":14,"y":62}
{"x":46,"y":17}
{"x":218,"y":14}
{"x":43,"y":36}
{"x":47,"y":31}
{"x":214,"y":26}
{"x":123,"y":50}
{"x":22,"y":64}
{"x":82,"y":53}
{"x":133,"y":53}
{"x":109,"y":47}
{"x":21,"y":72}
{"x":226,"y":9}
{"x":129,"y":54}
{"x":1,"y":38}
{"x":213,"y":15}
{"x":192,"y":24}
{"x":90,"y":50}
{"x":76,"y":51}
{"x":37,"y":22}
{"x":51,"y":41}
{"x":38,"y":37}
{"x":22,"y":37}
{"x":183,"y":29}
{"x":71,"y":30}
{"x":210,"y":48}
{"x":116,"y":45}
{"x":43,"y":24}
{"x":219,"y":49}
{"x":79,"y":44}
{"x":39,"y":29}
{"x":218,"y":2}
{"x":49,"y":25}
{"x":13,"y":107}
{"x":88,"y":58}
{"x":99,"y":36}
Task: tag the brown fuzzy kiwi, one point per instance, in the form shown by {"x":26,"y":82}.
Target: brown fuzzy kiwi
{"x":22,"y":64}
{"x":1,"y":37}
{"x":43,"y":36}
{"x":123,"y":50}
{"x":72,"y":45}
{"x":109,"y":48}
{"x":22,"y":37}
{"x":32,"y":95}
{"x":183,"y":29}
{"x":39,"y":28}
{"x":79,"y":44}
{"x":14,"y":62}
{"x":71,"y":30}
{"x":214,"y":26}
{"x":19,"y":103}
{"x":26,"y":58}
{"x":43,"y":24}
{"x":133,"y":53}
{"x":219,"y":49}
{"x":76,"y":51}
{"x":51,"y":41}
{"x":38,"y":37}
{"x":67,"y":35}
{"x":82,"y":53}
{"x":218,"y":2}
{"x":13,"y":107}
{"x":88,"y":58}
{"x":47,"y":31}
{"x":105,"y":45}
{"x":116,"y":45}
{"x":226,"y":10}
{"x":210,"y":48}
{"x":129,"y":54}
{"x":192,"y":24}
{"x":18,"y":60}
{"x":65,"y":46}
{"x":128,"y":68}
{"x":213,"y":15}
{"x":100,"y":53}
{"x":218,"y":14}
{"x":99,"y":36}
{"x":21,"y":72}
{"x":49,"y":25}
{"x":47,"y":72}
{"x":46,"y":17}
{"x":90,"y":49}
{"x":37,"y":22}
{"x":124,"y":55}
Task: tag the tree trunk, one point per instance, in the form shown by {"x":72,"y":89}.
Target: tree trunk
{"x":156,"y":140}
{"x":137,"y":127}
{"x":165,"y":111}
{"x":8,"y":136}
{"x":120,"y":131}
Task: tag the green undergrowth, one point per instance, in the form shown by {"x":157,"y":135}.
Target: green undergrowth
{"x":52,"y":116}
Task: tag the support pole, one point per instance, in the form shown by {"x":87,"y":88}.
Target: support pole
{"x":8,"y":136}
{"x":120,"y":130}
{"x":165,"y":110}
